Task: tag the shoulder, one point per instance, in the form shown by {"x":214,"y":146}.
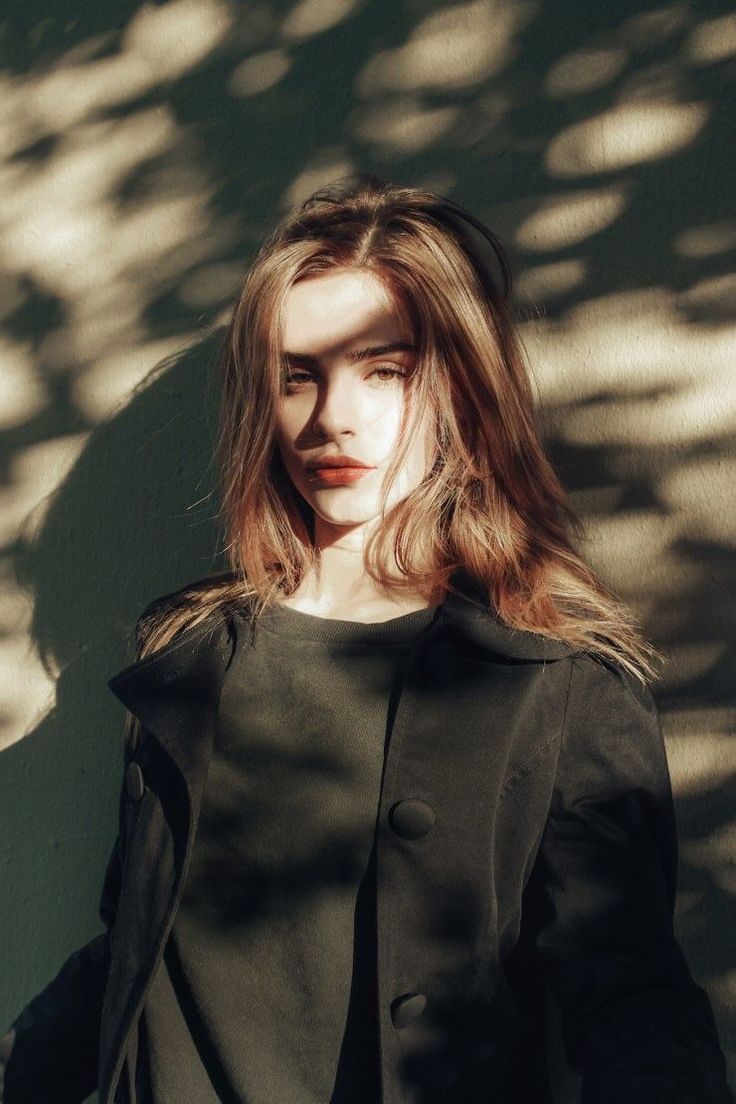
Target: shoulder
{"x":187,"y":595}
{"x":601,"y":686}
{"x":199,"y":606}
{"x":612,"y":738}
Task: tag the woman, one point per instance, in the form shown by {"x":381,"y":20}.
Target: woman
{"x":398,"y":770}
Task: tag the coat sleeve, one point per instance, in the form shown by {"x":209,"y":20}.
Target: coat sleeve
{"x":635,"y":1025}
{"x":49,"y":1054}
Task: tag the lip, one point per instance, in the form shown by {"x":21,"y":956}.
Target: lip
{"x":340,"y":460}
{"x":334,"y":475}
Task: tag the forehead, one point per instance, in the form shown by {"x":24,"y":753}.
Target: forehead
{"x":327,"y":313}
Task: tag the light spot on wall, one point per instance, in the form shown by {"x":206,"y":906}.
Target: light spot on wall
{"x":707,"y":240}
{"x":159,"y":44}
{"x":64,"y":97}
{"x":331,"y":163}
{"x":311,"y":17}
{"x":629,"y":343}
{"x":584,"y":71}
{"x":27,"y":690}
{"x":714,"y":297}
{"x":456,"y":47}
{"x":716,"y":855}
{"x":111,"y":378}
{"x":699,"y":747}
{"x":63,"y":225}
{"x":712,"y":41}
{"x":403,"y":125}
{"x":722,"y":988}
{"x":643,"y":538}
{"x":33,"y":476}
{"x":562,"y":221}
{"x":47,"y":212}
{"x":688,"y":414}
{"x":23,"y":394}
{"x":259,"y":73}
{"x":548,"y":282}
{"x":630,"y":134}
{"x":704,"y":487}
{"x":174,"y":37}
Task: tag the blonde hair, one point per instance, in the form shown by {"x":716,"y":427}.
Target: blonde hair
{"x":491,"y":503}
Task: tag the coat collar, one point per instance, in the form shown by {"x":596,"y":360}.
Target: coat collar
{"x":191,"y":668}
{"x":466,"y":613}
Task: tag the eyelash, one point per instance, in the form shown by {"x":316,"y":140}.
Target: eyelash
{"x":397,"y":373}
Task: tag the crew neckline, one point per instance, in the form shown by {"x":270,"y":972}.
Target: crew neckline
{"x":286,"y":621}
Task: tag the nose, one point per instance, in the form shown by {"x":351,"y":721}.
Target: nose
{"x":337,"y":408}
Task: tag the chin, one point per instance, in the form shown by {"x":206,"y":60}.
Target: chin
{"x":346,"y":519}
{"x":347,"y":516}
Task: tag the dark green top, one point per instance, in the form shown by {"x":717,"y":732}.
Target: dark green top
{"x":266,"y":991}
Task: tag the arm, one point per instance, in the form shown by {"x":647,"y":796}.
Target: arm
{"x":49,"y":1054}
{"x":635,"y":1025}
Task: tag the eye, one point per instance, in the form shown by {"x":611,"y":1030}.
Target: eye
{"x":394,"y":372}
{"x":291,"y":377}
{"x":389,"y":372}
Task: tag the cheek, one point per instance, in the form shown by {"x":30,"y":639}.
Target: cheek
{"x":394,"y":427}
{"x":392,"y":415}
{"x":283,"y":440}
{"x":390,"y":422}
{"x":285,"y":430}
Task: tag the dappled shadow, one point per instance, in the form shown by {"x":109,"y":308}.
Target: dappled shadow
{"x":147,"y":150}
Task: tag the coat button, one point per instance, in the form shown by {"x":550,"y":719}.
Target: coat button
{"x":411,"y":818}
{"x":134,"y":782}
{"x":406,"y":1008}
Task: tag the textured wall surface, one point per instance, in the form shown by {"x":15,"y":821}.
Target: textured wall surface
{"x":145,"y":149}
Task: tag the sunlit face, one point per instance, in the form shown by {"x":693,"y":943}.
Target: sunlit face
{"x":339,"y":402}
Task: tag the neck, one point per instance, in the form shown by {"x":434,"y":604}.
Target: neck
{"x":339,"y":585}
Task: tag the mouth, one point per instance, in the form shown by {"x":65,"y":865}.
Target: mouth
{"x":334,"y":475}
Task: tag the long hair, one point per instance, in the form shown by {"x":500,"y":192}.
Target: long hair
{"x":491,"y":504}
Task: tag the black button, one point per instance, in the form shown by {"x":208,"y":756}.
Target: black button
{"x":411,"y":818}
{"x":134,"y":782}
{"x":406,"y":1008}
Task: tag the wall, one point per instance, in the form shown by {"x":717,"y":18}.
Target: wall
{"x":145,"y":151}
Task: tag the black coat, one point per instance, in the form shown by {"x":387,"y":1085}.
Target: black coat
{"x":525,"y":838}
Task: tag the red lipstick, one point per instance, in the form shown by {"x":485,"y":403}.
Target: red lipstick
{"x":335,"y":475}
{"x":336,"y":468}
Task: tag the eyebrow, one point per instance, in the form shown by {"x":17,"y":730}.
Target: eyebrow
{"x":356,"y":355}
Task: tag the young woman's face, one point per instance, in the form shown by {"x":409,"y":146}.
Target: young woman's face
{"x":338,"y":403}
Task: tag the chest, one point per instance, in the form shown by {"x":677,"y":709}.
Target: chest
{"x":299,"y":744}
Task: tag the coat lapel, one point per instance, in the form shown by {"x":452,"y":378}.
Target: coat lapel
{"x":176,"y":682}
{"x":174,"y":693}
